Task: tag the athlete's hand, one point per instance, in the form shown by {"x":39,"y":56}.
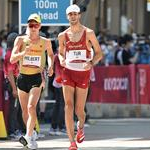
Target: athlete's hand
{"x":23,"y":53}
{"x":50,"y":71}
{"x":43,"y":84}
{"x":43,"y":75}
{"x":88,"y":65}
{"x":28,"y":47}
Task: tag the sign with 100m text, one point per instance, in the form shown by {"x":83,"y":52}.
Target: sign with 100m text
{"x":52,"y":12}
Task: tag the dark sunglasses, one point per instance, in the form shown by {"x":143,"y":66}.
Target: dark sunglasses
{"x":34,"y":25}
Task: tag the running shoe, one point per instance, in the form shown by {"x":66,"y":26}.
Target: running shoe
{"x":73,"y":146}
{"x":37,"y":135}
{"x":80,"y":134}
{"x":23,"y":141}
{"x":28,"y":142}
{"x":34,"y":135}
{"x":52,"y":131}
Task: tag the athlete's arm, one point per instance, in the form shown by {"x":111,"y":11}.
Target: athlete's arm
{"x":61,"y":49}
{"x":16,"y":55}
{"x":97,"y":49}
{"x":50,"y":56}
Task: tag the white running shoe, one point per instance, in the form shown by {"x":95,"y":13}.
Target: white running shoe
{"x":28,"y":142}
{"x":35,"y":135}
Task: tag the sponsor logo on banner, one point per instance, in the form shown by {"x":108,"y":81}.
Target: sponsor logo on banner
{"x":115,"y":84}
{"x":142,"y":76}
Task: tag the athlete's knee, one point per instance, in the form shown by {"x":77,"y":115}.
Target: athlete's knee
{"x":80,"y":112}
{"x":31,"y":108}
{"x":24,"y":112}
{"x":69,"y":105}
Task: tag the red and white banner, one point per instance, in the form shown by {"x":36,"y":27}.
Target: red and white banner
{"x":114,"y":84}
{"x":143,"y":84}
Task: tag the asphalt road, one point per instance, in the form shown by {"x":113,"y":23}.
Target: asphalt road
{"x":102,"y":134}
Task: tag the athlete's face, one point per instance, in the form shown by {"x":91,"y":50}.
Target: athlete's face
{"x":73,"y":18}
{"x":34,"y":26}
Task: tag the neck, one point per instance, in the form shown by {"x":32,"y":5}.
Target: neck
{"x":76,"y":28}
{"x":34,"y":37}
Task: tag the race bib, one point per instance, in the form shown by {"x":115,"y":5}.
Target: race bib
{"x":76,"y":55}
{"x":32,"y":60}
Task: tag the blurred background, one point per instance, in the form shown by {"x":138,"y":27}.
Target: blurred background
{"x":115,"y":16}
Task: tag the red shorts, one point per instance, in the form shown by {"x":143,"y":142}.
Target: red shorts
{"x":76,"y":78}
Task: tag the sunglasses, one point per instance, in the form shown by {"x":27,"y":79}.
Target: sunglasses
{"x":34,"y":26}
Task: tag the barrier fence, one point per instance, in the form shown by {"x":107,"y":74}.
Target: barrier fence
{"x":121,"y":84}
{"x":114,"y":84}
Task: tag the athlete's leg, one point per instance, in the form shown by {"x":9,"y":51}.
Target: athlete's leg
{"x":81,"y":96}
{"x":34,"y":96}
{"x":23,"y":99}
{"x":68,"y":92}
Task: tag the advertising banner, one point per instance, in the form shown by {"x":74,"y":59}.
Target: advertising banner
{"x":113,"y":84}
{"x":143,"y":77}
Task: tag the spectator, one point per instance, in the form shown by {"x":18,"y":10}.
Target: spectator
{"x":57,"y":120}
{"x":11,"y":72}
{"x":123,"y":55}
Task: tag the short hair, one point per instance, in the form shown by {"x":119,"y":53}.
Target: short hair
{"x":10,"y":39}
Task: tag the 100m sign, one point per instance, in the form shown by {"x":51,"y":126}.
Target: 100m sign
{"x":40,"y":4}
